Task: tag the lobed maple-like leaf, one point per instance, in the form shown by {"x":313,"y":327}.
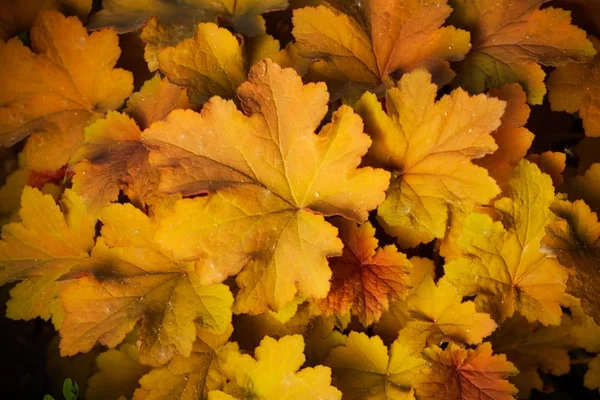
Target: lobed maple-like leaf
{"x":575,"y":240}
{"x":135,"y":279}
{"x":585,"y":187}
{"x":363,"y":370}
{"x":512,"y":138}
{"x":274,"y":373}
{"x":270,"y":181}
{"x":361,"y":45}
{"x":510,"y":39}
{"x":365,"y":277}
{"x":429,"y":147}
{"x":573,"y":87}
{"x":397,"y":315}
{"x":119,"y":372}
{"x":458,"y":373}
{"x":552,"y":163}
{"x":68,"y":72}
{"x":189,"y":378}
{"x":128,"y":15}
{"x":214,"y":63}
{"x":437,"y":315}
{"x":503,"y":265}
{"x":47,"y":243}
{"x":18,"y":16}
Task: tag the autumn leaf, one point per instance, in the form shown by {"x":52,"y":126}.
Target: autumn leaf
{"x":18,"y":16}
{"x":270,"y":181}
{"x":532,"y":347}
{"x":575,"y":240}
{"x":429,"y":146}
{"x":189,"y":378}
{"x":365,"y":277}
{"x":68,"y":72}
{"x":397,"y":315}
{"x":503,"y":265}
{"x":511,"y":39}
{"x":592,"y":376}
{"x":120,"y":370}
{"x":360,"y":48}
{"x":437,"y":315}
{"x":458,"y":373}
{"x":585,"y":187}
{"x":46,"y":244}
{"x":129,"y":15}
{"x":363,"y":369}
{"x":573,"y":87}
{"x":274,"y":374}
{"x":135,"y":279}
{"x":552,"y":163}
{"x":215,"y":63}
{"x":512,"y":138}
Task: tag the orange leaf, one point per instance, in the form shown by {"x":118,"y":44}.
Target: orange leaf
{"x":585,"y":187}
{"x":270,"y":181}
{"x":575,"y":240}
{"x":512,"y":138}
{"x":573,"y":88}
{"x":359,"y":48}
{"x":510,"y":39}
{"x":365,"y":277}
{"x":67,"y":72}
{"x":465,"y":374}
{"x":551,"y":163}
{"x":429,"y":146}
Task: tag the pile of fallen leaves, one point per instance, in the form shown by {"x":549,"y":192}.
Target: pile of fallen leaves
{"x":219,"y":199}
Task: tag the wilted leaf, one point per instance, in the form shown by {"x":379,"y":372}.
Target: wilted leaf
{"x":46,"y":244}
{"x":458,"y":373}
{"x":503,"y":264}
{"x":511,"y":39}
{"x":274,"y":374}
{"x":575,"y":240}
{"x":359,"y":48}
{"x":136,"y":279}
{"x":270,"y":180}
{"x":365,"y":277}
{"x":437,"y":315}
{"x":362,"y":369}
{"x":68,"y":72}
{"x":429,"y":146}
{"x":573,"y":87}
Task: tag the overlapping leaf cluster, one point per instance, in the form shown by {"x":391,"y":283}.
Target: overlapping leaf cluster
{"x":313,"y":200}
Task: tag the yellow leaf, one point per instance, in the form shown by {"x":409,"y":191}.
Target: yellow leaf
{"x":429,"y":146}
{"x":119,"y":373}
{"x":274,"y":374}
{"x":362,"y":47}
{"x":270,"y":180}
{"x":67,"y":72}
{"x":510,"y":41}
{"x":575,"y":240}
{"x":45,"y":245}
{"x":135,"y":279}
{"x":362,"y":369}
{"x":437,"y":314}
{"x":585,"y":187}
{"x":503,"y":265}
